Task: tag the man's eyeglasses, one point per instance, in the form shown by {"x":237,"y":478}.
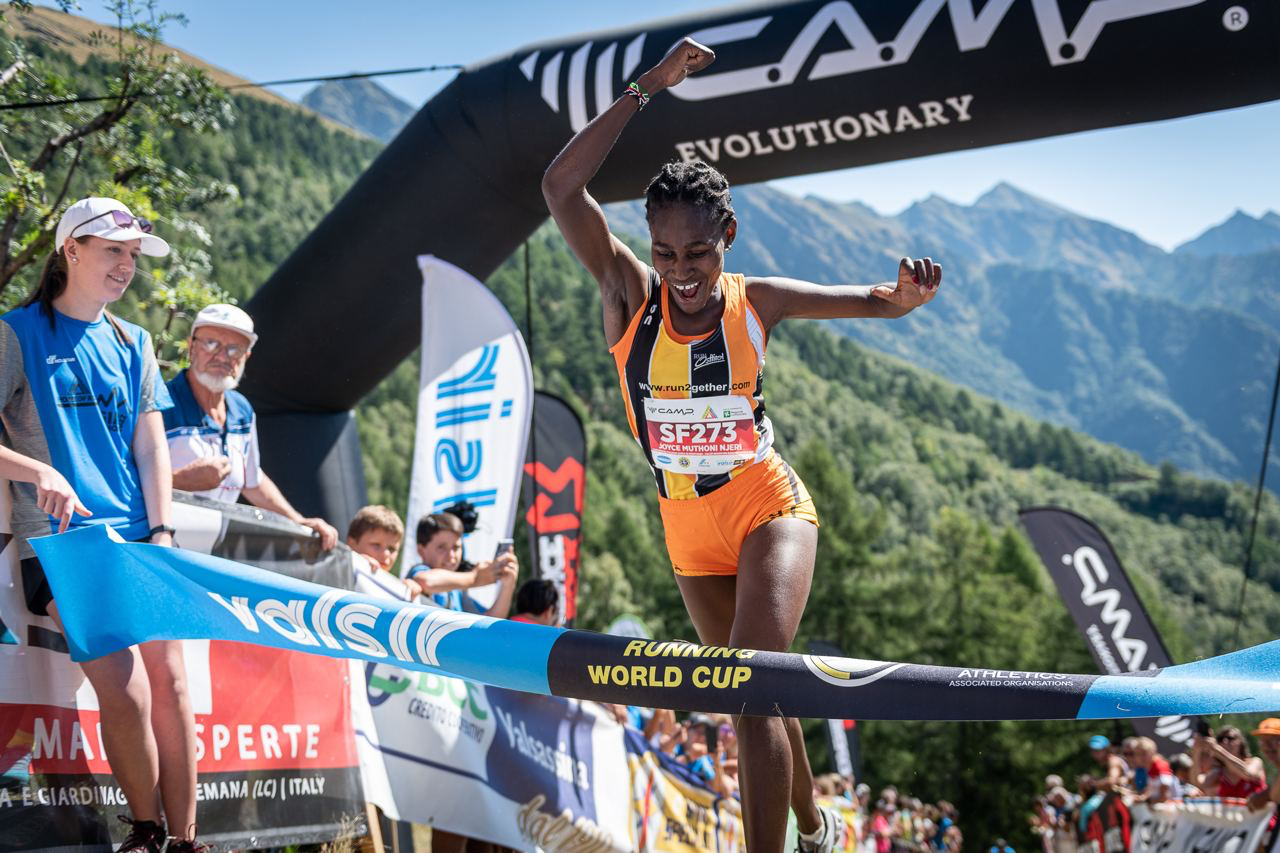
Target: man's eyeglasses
{"x":122,"y":219}
{"x":211,"y":347}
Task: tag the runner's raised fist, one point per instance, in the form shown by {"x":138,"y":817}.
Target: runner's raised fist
{"x":687,"y":57}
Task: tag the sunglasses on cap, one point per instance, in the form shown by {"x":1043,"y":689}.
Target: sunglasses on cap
{"x":210,"y":346}
{"x":122,"y":219}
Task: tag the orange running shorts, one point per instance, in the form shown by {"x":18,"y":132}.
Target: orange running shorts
{"x":705,"y":535}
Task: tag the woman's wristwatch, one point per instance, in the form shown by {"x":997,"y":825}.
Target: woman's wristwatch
{"x":158,"y":529}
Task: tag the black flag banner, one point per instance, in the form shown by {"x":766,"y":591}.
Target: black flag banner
{"x":555,"y":480}
{"x":1105,"y":608}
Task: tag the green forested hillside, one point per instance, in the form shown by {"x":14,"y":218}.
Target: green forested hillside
{"x":290,"y":170}
{"x":284,"y":169}
{"x":918,"y":483}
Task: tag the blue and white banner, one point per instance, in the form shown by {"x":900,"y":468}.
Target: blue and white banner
{"x":511,"y":768}
{"x":145,"y":592}
{"x":475,"y":398}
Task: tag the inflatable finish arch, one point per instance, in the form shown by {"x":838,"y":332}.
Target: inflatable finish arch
{"x":797,"y":87}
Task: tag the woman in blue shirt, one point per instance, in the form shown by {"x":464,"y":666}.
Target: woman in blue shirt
{"x":80,"y":403}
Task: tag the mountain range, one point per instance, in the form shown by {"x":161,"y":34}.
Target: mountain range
{"x":360,"y":104}
{"x":1070,"y":319}
{"x":1242,"y":234}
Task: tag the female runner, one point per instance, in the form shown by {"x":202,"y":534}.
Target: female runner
{"x":689,"y":343}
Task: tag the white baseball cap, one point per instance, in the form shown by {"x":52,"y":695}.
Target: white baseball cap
{"x":110,"y":220}
{"x":226,"y":317}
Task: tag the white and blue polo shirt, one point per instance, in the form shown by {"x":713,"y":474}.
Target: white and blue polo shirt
{"x":194,"y":435}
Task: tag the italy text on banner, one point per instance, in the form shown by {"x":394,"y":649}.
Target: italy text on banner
{"x":672,"y":812}
{"x":515,"y":769}
{"x":1200,"y":823}
{"x":151,"y":592}
{"x":475,"y":396}
{"x":277,"y":761}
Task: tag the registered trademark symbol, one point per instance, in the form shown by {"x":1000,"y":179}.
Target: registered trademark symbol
{"x":1235,"y":19}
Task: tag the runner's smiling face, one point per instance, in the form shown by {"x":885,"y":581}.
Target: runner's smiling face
{"x":688,"y":252}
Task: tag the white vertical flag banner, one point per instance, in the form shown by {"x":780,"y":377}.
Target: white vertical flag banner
{"x":475,"y":400}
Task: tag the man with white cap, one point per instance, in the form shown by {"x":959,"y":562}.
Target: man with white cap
{"x":212,"y":432}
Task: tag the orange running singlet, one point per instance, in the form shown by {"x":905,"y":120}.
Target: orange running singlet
{"x":695,"y":404}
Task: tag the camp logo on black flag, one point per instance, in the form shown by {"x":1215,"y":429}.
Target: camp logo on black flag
{"x":554,"y":488}
{"x":1105,"y":607}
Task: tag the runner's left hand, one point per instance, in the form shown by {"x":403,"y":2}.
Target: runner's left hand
{"x":918,"y":282}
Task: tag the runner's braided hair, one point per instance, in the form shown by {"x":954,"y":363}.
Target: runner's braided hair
{"x":695,"y":184}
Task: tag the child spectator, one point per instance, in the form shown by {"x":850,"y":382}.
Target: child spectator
{"x":699,"y":741}
{"x":1183,"y":768}
{"x":439,"y":538}
{"x":375,"y":534}
{"x":1157,"y":779}
{"x":537,"y":602}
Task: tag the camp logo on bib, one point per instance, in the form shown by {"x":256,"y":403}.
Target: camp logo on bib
{"x":703,"y":435}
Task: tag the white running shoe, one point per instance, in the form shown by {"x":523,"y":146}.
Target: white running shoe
{"x":833,"y":832}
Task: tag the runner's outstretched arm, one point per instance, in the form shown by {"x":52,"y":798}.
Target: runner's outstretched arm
{"x":778,"y":298}
{"x":621,"y":276}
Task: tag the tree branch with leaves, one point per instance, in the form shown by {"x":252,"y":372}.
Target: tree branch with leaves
{"x":53,"y":155}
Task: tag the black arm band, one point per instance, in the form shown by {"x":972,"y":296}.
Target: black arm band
{"x":160,"y":528}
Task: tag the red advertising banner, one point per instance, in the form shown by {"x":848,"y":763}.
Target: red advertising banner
{"x":277,"y":761}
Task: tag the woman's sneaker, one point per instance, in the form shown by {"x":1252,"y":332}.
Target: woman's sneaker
{"x":144,"y":836}
{"x":833,"y":833}
{"x":186,"y":845}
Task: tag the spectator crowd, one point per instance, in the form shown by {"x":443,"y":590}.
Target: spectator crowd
{"x":1219,"y":764}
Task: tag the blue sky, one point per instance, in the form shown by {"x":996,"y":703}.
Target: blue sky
{"x":1166,"y":181}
